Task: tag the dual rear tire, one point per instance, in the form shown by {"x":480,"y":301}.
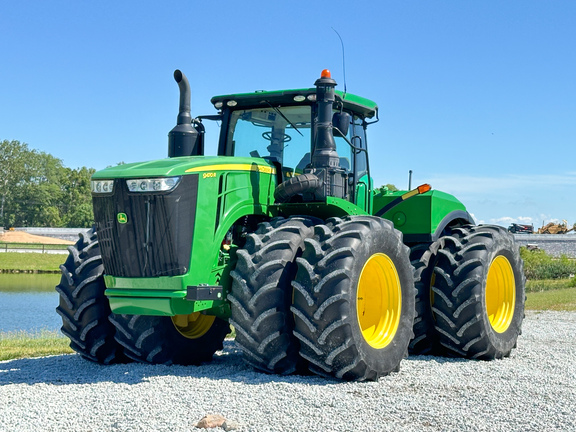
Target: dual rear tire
{"x":337,"y":297}
{"x":471,"y":292}
{"x":479,"y":293}
{"x":354,"y":299}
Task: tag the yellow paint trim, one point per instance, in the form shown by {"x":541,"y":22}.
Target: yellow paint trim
{"x":410,"y":194}
{"x":235,"y":167}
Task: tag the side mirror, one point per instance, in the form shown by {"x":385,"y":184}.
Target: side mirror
{"x":340,"y":123}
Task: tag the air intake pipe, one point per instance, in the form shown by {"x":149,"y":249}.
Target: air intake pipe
{"x":324,"y":177}
{"x":324,"y":146}
{"x":325,"y":159}
{"x":184,"y":139}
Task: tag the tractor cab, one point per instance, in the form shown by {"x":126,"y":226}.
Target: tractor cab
{"x":280,"y":127}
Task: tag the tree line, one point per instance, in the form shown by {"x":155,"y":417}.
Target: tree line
{"x":36,"y":189}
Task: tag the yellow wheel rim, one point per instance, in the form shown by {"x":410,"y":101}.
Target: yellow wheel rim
{"x":500,"y":294}
{"x":379,"y":301}
{"x":194,"y":325}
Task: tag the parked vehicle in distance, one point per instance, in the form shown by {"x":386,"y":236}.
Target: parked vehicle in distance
{"x":554,"y":228}
{"x":521,"y":229}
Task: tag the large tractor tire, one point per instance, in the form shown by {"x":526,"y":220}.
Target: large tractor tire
{"x":183,"y":339}
{"x":423,"y":258}
{"x":262,"y":294}
{"x":478,"y":292}
{"x":83,"y":306}
{"x":354,"y":299}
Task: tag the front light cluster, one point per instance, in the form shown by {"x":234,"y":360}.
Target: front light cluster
{"x":152,"y":185}
{"x":102,"y":186}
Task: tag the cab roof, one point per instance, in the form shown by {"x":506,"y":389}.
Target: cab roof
{"x":362,"y":106}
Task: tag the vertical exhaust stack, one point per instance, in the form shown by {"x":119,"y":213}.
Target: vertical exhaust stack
{"x":324,"y":146}
{"x":184,"y":139}
{"x":325,"y":159}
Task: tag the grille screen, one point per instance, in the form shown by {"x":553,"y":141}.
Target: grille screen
{"x":156,"y":236}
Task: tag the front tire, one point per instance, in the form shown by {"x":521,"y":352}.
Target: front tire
{"x":479,"y":293}
{"x":354,"y":299}
{"x":184,"y":339}
{"x":83,"y":306}
{"x":262,"y":294}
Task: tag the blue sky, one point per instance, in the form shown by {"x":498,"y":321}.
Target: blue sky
{"x":478,"y":98}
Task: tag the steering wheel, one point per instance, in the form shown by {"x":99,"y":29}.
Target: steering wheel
{"x":268,"y":136}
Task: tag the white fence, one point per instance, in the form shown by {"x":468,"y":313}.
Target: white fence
{"x":61,"y":233}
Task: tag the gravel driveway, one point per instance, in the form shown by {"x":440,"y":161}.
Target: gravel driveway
{"x":534,"y":389}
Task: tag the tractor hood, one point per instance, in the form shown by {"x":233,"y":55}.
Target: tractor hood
{"x":185,"y":165}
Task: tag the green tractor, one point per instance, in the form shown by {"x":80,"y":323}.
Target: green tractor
{"x":284,"y":236}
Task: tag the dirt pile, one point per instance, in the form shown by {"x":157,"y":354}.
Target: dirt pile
{"x":24,"y":237}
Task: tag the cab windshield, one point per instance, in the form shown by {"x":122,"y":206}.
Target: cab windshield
{"x":283,"y":134}
{"x":280,"y":134}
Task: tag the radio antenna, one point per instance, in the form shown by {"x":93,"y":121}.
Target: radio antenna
{"x":343,"y":59}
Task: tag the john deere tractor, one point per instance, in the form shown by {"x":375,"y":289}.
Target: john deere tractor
{"x":284,"y":236}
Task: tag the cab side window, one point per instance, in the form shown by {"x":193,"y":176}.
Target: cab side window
{"x":357,"y":136}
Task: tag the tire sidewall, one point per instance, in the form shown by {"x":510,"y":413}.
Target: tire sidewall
{"x":501,"y":244}
{"x":83,"y":305}
{"x":387,"y":358}
{"x":505,"y":341}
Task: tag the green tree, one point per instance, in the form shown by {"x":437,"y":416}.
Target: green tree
{"x":77,"y":201}
{"x":387,"y":188}
{"x":41,"y":194}
{"x":37,"y":190}
{"x":12,"y":170}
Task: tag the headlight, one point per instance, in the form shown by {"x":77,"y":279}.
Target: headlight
{"x":102,"y":186}
{"x":152,"y":185}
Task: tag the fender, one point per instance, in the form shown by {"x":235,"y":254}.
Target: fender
{"x":456,"y":217}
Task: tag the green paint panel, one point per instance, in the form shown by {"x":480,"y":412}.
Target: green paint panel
{"x":157,"y":306}
{"x":363,"y":193}
{"x":114,"y":292}
{"x":222,"y":200}
{"x":332,"y":207}
{"x":174,"y":283}
{"x":418,"y":215}
{"x":141,"y":306}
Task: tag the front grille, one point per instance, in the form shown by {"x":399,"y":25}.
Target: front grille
{"x":156,"y":239}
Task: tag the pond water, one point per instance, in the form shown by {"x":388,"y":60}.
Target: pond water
{"x":28,"y":302}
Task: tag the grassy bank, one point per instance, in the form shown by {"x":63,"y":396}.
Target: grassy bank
{"x":555,"y":300}
{"x":42,"y":262}
{"x":535,"y":286}
{"x":14,"y":345}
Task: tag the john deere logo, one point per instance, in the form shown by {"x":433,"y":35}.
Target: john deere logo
{"x":122,"y":218}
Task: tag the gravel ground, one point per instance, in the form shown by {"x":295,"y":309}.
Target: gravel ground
{"x":534,"y":389}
